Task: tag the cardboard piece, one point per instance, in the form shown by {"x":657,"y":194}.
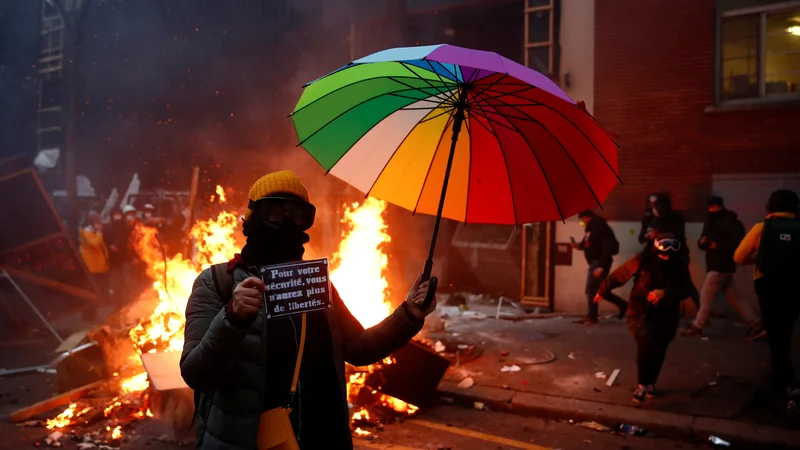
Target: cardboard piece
{"x":164,"y":371}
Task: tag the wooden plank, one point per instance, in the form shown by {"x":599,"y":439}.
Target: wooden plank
{"x":71,"y":342}
{"x":164,"y":370}
{"x":52,"y":403}
{"x":46,"y":282}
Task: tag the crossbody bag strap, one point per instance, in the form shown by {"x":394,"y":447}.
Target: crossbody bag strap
{"x":299,"y":354}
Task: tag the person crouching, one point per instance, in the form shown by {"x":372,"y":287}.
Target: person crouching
{"x":661,"y":281}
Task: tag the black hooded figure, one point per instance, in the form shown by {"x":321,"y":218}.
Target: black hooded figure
{"x":660,"y":283}
{"x":665,"y":220}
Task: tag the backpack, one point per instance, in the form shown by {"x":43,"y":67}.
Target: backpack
{"x":779,"y":247}
{"x":223,"y":285}
{"x":614,"y":245}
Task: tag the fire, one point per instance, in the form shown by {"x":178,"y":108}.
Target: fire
{"x":116,"y":433}
{"x":136,"y":383}
{"x":215,"y":242}
{"x":63,"y":419}
{"x":357,"y":272}
{"x":359,"y":264}
{"x":221,"y":194}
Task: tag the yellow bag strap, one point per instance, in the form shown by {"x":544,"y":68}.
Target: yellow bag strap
{"x":299,"y":354}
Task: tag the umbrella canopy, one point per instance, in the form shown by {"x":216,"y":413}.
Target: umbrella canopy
{"x":516,"y":149}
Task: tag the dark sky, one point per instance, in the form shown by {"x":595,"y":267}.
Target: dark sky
{"x":167,"y":84}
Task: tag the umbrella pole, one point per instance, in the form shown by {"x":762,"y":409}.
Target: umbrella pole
{"x":458,"y":120}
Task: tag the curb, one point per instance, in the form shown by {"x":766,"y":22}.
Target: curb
{"x":665,"y":424}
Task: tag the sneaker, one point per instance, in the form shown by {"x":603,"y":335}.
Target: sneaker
{"x":691,"y":331}
{"x":650,"y":391}
{"x":639,"y":394}
{"x":622,"y":312}
{"x":588,"y":321}
{"x":757,"y":331}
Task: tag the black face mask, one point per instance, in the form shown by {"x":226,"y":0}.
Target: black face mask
{"x":273,"y":243}
{"x":715,"y":216}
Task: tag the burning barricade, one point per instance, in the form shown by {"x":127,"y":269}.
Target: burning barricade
{"x":135,"y":354}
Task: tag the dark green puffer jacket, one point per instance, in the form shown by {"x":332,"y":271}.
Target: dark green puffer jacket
{"x":227,"y":363}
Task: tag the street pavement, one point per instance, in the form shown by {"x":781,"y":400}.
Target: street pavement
{"x":713,"y":379}
{"x":717,"y":379}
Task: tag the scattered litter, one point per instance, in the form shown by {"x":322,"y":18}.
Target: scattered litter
{"x":466,"y":383}
{"x":631,"y":430}
{"x":597,"y":390}
{"x":439,"y":347}
{"x":719,"y":442}
{"x":447,"y":400}
{"x":473,"y":315}
{"x":524,"y":382}
{"x":31,"y":423}
{"x":535,"y":337}
{"x":713,"y":383}
{"x":591,"y":425}
{"x":613,"y":378}
{"x":511,"y":368}
{"x":588,"y":441}
{"x":86,"y":446}
{"x":505,"y":386}
{"x":503,"y":353}
{"x":53,"y":439}
{"x":572,"y":356}
{"x":463,"y":346}
{"x":703,"y":338}
{"x":600,"y":375}
{"x":479,"y":406}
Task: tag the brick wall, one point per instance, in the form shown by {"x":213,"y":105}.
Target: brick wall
{"x":654,"y":73}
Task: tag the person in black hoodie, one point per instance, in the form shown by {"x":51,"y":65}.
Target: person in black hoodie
{"x":667,"y":220}
{"x":660,"y":283}
{"x":599,"y":246}
{"x":722,"y":233}
{"x":649,"y":217}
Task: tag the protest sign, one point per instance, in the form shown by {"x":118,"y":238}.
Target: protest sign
{"x":296,"y":288}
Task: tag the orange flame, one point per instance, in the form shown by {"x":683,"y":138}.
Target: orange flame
{"x":358,"y":274}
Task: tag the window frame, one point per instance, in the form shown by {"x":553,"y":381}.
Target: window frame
{"x":761,"y":11}
{"x":552,"y":44}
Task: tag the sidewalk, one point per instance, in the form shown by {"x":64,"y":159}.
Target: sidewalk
{"x":707,"y":387}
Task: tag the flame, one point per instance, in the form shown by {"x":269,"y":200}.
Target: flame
{"x":357,"y":272}
{"x":136,"y":383}
{"x":116,"y":433}
{"x":221,"y":194}
{"x":359,"y":264}
{"x":215,"y":242}
{"x":63,"y":419}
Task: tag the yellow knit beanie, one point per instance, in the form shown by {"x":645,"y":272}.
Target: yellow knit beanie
{"x":281,"y":182}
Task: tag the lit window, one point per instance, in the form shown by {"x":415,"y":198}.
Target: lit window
{"x":760,"y":54}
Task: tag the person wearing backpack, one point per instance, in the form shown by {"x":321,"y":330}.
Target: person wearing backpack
{"x":722,"y":233}
{"x":774,"y":247}
{"x":278,"y":383}
{"x":599,"y":246}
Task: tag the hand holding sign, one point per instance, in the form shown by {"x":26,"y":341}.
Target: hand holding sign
{"x":416,"y":299}
{"x":247,"y":298}
{"x":295,"y":288}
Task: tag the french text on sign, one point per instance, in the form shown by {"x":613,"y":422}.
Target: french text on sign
{"x":295,"y":288}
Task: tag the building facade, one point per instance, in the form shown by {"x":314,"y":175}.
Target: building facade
{"x":704,"y":95}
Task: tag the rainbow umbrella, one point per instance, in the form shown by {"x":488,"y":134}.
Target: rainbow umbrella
{"x":457,"y":133}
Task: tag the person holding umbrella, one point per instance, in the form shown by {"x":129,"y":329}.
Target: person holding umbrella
{"x":599,"y":245}
{"x":279,"y":383}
